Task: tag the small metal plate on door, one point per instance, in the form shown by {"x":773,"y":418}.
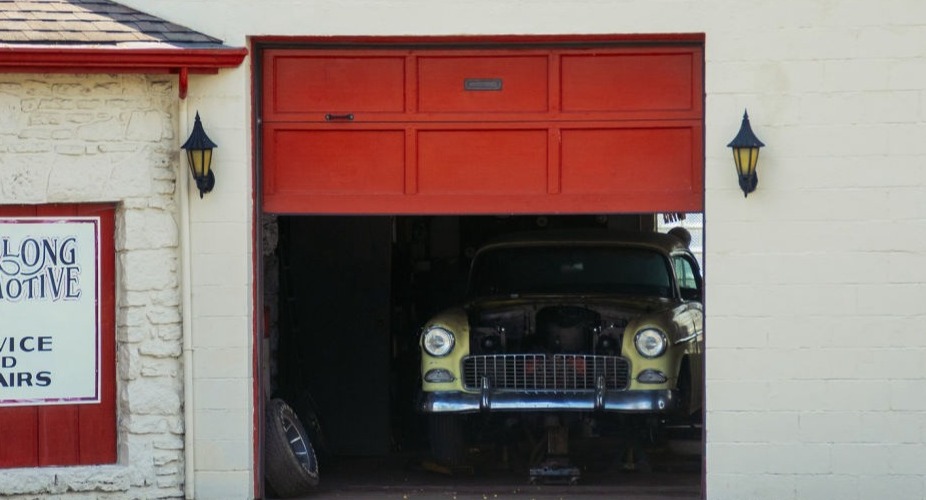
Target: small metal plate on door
{"x":482,"y":84}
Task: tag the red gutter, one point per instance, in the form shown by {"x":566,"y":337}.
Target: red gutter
{"x":181,"y":61}
{"x":117,"y":59}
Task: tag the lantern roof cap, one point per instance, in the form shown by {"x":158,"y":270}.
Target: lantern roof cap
{"x":745,"y":138}
{"x":198,"y":138}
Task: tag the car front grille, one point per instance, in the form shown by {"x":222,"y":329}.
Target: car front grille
{"x":545,"y":371}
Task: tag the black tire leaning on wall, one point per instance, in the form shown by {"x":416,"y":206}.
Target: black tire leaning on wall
{"x":290,"y":465}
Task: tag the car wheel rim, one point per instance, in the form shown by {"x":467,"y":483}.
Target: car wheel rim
{"x":297,"y":442}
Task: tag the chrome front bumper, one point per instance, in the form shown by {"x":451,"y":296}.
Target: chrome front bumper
{"x":629,"y":401}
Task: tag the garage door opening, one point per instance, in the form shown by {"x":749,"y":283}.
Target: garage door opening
{"x":373,"y":135}
{"x":345,"y":298}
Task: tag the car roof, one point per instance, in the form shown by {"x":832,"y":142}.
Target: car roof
{"x":665,"y":243}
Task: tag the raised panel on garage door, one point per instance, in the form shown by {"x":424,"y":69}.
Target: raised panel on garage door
{"x":496,"y":162}
{"x":483,"y":84}
{"x":628,"y":160}
{"x":635,"y":82}
{"x":312,"y":161}
{"x":331,"y":84}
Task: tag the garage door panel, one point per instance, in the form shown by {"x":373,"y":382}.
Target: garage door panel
{"x":482,"y":162}
{"x":336,"y":85}
{"x":628,"y":82}
{"x":337,"y":161}
{"x":621,"y":160}
{"x":584,"y":203}
{"x":483,"y":84}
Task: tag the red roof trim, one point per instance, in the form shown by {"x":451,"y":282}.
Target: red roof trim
{"x":117,"y":60}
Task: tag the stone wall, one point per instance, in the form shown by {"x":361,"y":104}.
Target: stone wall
{"x":106,"y":138}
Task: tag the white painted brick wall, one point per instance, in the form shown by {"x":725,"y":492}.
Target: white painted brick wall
{"x":104,"y":138}
{"x":816,"y":278}
{"x":815,"y":289}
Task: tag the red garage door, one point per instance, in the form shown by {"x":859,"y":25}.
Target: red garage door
{"x":575,"y":127}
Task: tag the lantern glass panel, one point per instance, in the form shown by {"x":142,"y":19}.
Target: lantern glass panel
{"x":207,"y":160}
{"x":746,"y":159}
{"x":199,"y":161}
{"x":191,"y":160}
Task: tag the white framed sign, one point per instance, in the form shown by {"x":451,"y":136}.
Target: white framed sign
{"x":49,"y":310}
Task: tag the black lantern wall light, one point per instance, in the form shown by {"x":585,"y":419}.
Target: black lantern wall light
{"x":199,"y":154}
{"x":746,"y":155}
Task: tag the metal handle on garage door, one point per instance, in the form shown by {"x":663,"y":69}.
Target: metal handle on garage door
{"x":348,"y":117}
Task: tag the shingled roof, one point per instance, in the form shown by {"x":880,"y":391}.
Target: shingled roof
{"x":97,"y":36}
{"x":90,"y":22}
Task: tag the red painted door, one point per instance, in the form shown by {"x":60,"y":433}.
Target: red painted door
{"x":568,"y":128}
{"x":35,"y":436}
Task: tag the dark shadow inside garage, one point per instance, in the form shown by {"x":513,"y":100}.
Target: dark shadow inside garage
{"x":345,"y":297}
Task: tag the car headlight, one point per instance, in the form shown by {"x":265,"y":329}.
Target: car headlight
{"x":650,"y":343}
{"x":437,"y":341}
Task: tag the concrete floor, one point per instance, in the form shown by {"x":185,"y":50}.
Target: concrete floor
{"x":672,"y":471}
{"x":649,"y":486}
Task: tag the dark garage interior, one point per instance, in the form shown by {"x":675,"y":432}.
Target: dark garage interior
{"x":345,"y":297}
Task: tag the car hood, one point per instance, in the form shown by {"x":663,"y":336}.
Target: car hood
{"x":631,"y":305}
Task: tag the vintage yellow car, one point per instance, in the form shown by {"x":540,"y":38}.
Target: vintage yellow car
{"x":589,"y":323}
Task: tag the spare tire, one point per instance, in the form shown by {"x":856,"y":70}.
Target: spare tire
{"x":290,"y":465}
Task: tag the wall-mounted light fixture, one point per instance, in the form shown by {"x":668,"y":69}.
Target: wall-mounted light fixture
{"x":199,"y":154}
{"x":746,"y":154}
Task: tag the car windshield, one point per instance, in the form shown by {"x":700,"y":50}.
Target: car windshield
{"x":570,"y":270}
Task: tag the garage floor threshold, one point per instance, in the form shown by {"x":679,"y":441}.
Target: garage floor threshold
{"x":394,"y":478}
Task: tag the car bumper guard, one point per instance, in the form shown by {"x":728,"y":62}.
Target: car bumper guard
{"x":628,"y":401}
